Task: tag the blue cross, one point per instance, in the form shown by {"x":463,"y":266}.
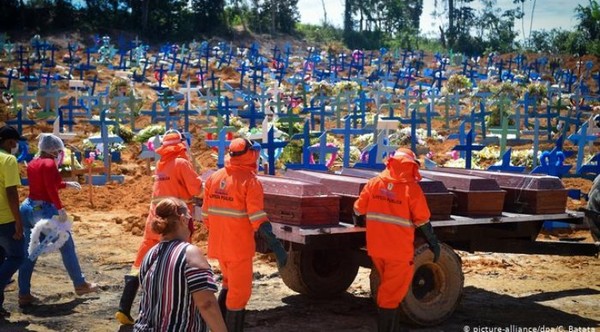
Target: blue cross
{"x":306,"y":153}
{"x":597,"y":78}
{"x":161,"y":71}
{"x":581,"y":139}
{"x":552,"y":162}
{"x":221,"y":144}
{"x":251,"y":114}
{"x":153,"y":113}
{"x":106,"y":139}
{"x":468,"y":148}
{"x":185,"y":61}
{"x":322,"y":114}
{"x":548,"y":115}
{"x":506,"y":166}
{"x":20,"y":121}
{"x":290,"y":118}
{"x":527,"y":101}
{"x":187,"y":112}
{"x":142,"y":77}
{"x":592,"y":167}
{"x":348,"y":131}
{"x":414,"y":121}
{"x":51,"y":63}
{"x":10,"y":77}
{"x":322,"y":150}
{"x":242,"y":69}
{"x":271,"y":145}
{"x":61,"y":118}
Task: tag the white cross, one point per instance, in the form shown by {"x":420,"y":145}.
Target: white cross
{"x":187,"y":91}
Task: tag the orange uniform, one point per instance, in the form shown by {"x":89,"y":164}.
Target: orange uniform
{"x":394,"y":205}
{"x":233,"y":212}
{"x":174,"y":176}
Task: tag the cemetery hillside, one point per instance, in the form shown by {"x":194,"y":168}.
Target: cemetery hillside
{"x":504,"y":121}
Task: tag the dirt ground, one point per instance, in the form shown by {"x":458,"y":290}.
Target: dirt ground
{"x":500,"y":289}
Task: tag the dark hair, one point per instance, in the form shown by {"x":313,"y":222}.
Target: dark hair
{"x":166,"y":215}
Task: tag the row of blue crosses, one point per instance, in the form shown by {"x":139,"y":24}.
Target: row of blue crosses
{"x":311,"y":113}
{"x":253,"y":116}
{"x":405,"y":74}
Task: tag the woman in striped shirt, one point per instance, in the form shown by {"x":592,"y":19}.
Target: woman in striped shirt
{"x":177,"y":282}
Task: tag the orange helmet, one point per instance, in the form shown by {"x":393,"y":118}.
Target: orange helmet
{"x":405,"y":155}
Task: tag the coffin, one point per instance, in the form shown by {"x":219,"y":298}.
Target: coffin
{"x":299,"y":203}
{"x":475,"y":196}
{"x":347,"y":187}
{"x":525,"y":193}
{"x":438,"y":198}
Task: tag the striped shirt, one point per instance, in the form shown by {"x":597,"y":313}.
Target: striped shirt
{"x":167,"y":284}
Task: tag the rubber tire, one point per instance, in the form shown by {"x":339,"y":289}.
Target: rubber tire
{"x":319,"y":273}
{"x":430,"y":308}
{"x":593,"y":222}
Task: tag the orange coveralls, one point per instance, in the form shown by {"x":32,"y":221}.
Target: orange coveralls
{"x":233,"y":212}
{"x":174,"y":176}
{"x":394,"y":205}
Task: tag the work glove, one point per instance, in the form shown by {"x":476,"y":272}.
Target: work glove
{"x":73,"y":184}
{"x":266,"y":231}
{"x":434,"y":244}
{"x":358,"y":220}
{"x":62,"y":215}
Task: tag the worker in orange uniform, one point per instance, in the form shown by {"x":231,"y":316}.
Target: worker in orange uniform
{"x":233,"y":212}
{"x":395,"y":205}
{"x":174,"y":176}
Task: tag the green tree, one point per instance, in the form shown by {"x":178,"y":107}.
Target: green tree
{"x":208,"y":14}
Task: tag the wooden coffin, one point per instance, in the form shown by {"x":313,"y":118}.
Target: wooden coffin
{"x":526,"y":193}
{"x":347,"y":187}
{"x":475,"y":196}
{"x":438,"y":198}
{"x":300,"y":203}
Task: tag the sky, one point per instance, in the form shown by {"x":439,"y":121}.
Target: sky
{"x":548,"y":14}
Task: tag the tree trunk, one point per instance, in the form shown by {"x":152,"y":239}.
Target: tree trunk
{"x":145,"y":9}
{"x":451,"y":27}
{"x":348,"y":26}
{"x":324,"y":13}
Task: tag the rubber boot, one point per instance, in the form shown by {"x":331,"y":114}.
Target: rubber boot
{"x":221,"y":300}
{"x":400,"y":326}
{"x":132,"y":283}
{"x":235,"y":320}
{"x":387,"y":320}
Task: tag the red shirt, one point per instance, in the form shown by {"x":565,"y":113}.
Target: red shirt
{"x":44,"y":181}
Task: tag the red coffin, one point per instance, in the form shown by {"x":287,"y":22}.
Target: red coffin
{"x":299,"y":203}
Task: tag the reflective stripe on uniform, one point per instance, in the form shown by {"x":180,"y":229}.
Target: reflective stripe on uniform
{"x":227,"y":212}
{"x":389,"y":219}
{"x":257,"y":215}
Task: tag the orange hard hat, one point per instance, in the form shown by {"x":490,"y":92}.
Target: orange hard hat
{"x":405,"y":155}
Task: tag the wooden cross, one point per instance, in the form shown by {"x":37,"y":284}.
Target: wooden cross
{"x":468,"y":148}
{"x":348,"y":131}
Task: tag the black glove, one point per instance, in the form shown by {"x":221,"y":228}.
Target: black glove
{"x":358,"y":220}
{"x":266,"y":231}
{"x":434,"y":244}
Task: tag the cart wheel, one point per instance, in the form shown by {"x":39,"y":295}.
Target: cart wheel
{"x":319,"y":273}
{"x":436,"y":288}
{"x":593,"y":221}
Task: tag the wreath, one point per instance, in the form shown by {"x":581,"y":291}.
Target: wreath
{"x":55,"y":233}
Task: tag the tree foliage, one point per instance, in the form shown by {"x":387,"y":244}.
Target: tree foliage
{"x":151,"y":19}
